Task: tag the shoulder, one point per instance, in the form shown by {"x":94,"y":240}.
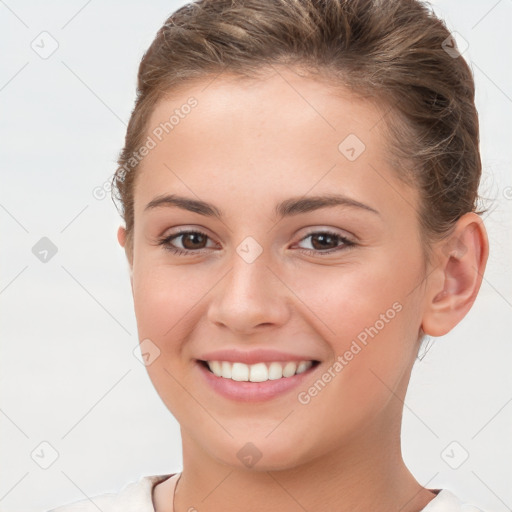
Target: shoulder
{"x":133,"y":497}
{"x":446,"y":501}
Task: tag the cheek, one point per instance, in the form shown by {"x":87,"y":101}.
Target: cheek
{"x":369,"y":320}
{"x":164,"y":301}
{"x":373,"y":321}
{"x":358,"y":302}
{"x":165,"y":297}
{"x":362,"y":384}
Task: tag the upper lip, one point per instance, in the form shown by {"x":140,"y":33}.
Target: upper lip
{"x":260,"y":355}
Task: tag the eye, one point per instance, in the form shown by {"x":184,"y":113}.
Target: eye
{"x":191,"y":242}
{"x":326,"y":242}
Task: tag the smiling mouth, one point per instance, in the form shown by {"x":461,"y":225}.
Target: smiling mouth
{"x":259,"y":372}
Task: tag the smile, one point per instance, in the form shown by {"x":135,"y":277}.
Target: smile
{"x":254,"y":382}
{"x":259,"y":372}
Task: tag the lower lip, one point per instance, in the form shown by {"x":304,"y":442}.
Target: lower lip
{"x":245,"y":391}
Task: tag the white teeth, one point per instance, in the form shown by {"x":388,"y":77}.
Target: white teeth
{"x":303,"y":366}
{"x":258,"y":372}
{"x":275,"y":371}
{"x":240,"y":371}
{"x":216,"y":368}
{"x":226,"y":370}
{"x":289,"y":369}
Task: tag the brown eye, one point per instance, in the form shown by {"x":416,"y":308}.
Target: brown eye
{"x":193,"y":240}
{"x":186,"y":242}
{"x":325,"y":242}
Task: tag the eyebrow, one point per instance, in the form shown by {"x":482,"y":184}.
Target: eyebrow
{"x":286,"y":208}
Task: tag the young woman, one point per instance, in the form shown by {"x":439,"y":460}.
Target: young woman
{"x":299,"y":186}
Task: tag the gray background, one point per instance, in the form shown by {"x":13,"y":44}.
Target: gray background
{"x":68,"y":373}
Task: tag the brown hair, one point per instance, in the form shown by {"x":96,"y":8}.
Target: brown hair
{"x":395,"y":51}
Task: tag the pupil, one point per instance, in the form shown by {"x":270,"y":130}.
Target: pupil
{"x":192,"y":236}
{"x":323,"y":238}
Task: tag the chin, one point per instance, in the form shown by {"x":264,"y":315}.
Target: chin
{"x":278,"y":454}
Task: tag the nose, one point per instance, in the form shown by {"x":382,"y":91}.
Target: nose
{"x":250,"y":297}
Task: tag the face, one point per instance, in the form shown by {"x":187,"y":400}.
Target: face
{"x":250,"y":258}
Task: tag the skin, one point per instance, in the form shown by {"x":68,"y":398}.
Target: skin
{"x":244,"y":148}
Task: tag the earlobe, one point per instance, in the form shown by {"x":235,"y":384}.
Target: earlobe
{"x":455,"y":283}
{"x":121,"y":236}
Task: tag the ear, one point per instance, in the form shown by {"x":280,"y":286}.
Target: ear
{"x":454,"y":284}
{"x":121,"y":237}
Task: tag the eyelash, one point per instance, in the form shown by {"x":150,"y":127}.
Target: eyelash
{"x":345,"y":243}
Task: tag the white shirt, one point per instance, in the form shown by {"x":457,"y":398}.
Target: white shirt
{"x":137,"y":497}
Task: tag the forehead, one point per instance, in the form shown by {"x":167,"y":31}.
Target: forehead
{"x":281,"y":132}
{"x":269,"y":104}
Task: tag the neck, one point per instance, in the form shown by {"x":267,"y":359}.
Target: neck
{"x":365,"y":474}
